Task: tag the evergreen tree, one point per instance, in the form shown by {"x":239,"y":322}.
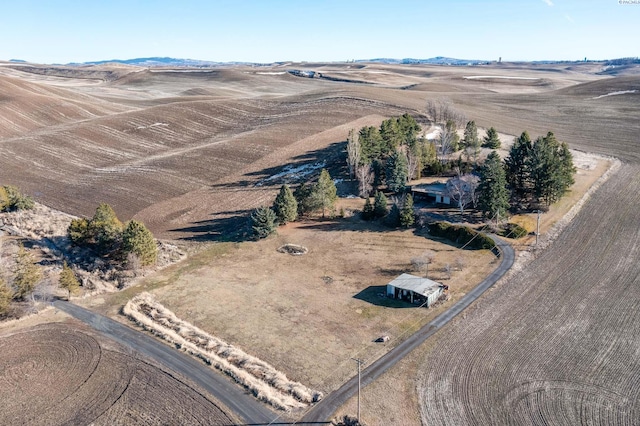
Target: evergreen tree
{"x":285,"y":206}
{"x":370,"y":144}
{"x":5,"y":298}
{"x":518,"y":167}
{"x":325,"y":193}
{"x":367,"y":211}
{"x":68,"y":280}
{"x":407,"y":215}
{"x":137,"y":239}
{"x":380,"y":204}
{"x":552,"y":169}
{"x":105,"y":228}
{"x":263,"y":222}
{"x":26,"y":274}
{"x":408,"y":128}
{"x":391,"y":136}
{"x":494,"y":195}
{"x":78,"y":232}
{"x":393,"y":218}
{"x":302,"y":194}
{"x":12,"y":199}
{"x":397,"y":171}
{"x":491,"y":140}
{"x":470,"y":135}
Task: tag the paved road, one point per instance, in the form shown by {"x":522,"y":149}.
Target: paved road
{"x":240,"y":402}
{"x":329,"y":404}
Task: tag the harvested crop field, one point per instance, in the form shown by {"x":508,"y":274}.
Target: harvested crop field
{"x":62,"y":373}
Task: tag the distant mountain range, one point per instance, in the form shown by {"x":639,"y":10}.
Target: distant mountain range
{"x":438,"y":60}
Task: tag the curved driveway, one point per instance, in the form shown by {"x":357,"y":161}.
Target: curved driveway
{"x":329,"y":404}
{"x":228,"y":393}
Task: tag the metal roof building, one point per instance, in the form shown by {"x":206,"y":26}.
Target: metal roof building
{"x":415,"y":289}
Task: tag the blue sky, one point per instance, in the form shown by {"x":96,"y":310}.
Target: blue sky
{"x":62,"y":31}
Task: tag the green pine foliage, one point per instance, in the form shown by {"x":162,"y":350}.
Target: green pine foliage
{"x":325,"y":193}
{"x":25,"y":275}
{"x":263,"y":222}
{"x":396,"y":171}
{"x":12,"y":199}
{"x":302,"y":194}
{"x":393,"y":218}
{"x":552,"y":169}
{"x":493,"y":200}
{"x":137,"y":239}
{"x":491,"y":140}
{"x":462,"y":235}
{"x":105,"y":229}
{"x":518,"y":167}
{"x":380,"y":201}
{"x":285,"y":205}
{"x":452,"y":129}
{"x":68,"y":280}
{"x":367,"y":210}
{"x":470,"y":135}
{"x":78,"y":232}
{"x":407,"y":215}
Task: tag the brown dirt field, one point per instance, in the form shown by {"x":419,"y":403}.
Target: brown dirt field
{"x":63,"y":373}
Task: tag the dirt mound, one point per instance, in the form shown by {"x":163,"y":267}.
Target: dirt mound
{"x":65,"y":375}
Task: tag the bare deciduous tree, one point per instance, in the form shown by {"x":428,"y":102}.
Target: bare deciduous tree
{"x":462,"y":189}
{"x":353,"y":152}
{"x":446,"y":142}
{"x":365,"y":176}
{"x":440,"y":111}
{"x":412,"y":163}
{"x":422,"y":263}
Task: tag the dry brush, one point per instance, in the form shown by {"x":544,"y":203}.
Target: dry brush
{"x":264,"y":381}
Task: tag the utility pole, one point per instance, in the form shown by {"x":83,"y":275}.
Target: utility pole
{"x":538,"y":228}
{"x":360,"y":362}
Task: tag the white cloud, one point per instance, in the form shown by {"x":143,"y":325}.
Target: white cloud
{"x":548,"y":2}
{"x":570,"y":19}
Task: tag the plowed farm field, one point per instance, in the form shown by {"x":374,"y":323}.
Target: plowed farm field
{"x":63,"y":373}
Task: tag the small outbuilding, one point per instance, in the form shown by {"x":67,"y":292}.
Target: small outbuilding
{"x":415,"y":289}
{"x":434,"y":191}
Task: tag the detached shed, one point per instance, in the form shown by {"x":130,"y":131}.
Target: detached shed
{"x":436,"y":191}
{"x":415,"y":289}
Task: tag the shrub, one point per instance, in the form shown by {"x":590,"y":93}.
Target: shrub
{"x":137,"y":239}
{"x":513,"y":230}
{"x":461,"y":235}
{"x":263,"y":222}
{"x":12,"y":199}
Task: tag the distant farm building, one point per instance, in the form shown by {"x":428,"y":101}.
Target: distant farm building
{"x":436,"y":191}
{"x":415,"y":289}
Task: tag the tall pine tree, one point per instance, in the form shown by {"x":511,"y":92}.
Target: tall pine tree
{"x":397,"y":171}
{"x":494,"y":195}
{"x":518,"y":167}
{"x":325,"y":193}
{"x":285,"y":205}
{"x":407,"y":215}
{"x":491,"y":140}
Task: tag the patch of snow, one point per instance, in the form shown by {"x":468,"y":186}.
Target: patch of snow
{"x":271,"y":72}
{"x":293,"y":172}
{"x":337,"y":181}
{"x":434,"y":133}
{"x":509,"y":77}
{"x":153,"y":125}
{"x":621,"y":92}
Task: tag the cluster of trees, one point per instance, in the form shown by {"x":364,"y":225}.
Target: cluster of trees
{"x":26,"y":275}
{"x":400,"y":214}
{"x":105,"y":234}
{"x":533,"y":173}
{"x":310,"y":197}
{"x":389,"y":155}
{"x":12,"y":199}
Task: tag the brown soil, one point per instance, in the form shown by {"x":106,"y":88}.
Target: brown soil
{"x":63,"y":373}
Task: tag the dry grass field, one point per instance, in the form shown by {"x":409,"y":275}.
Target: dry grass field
{"x":64,"y":373}
{"x":188,"y":152}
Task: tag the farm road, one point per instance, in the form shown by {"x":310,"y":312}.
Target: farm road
{"x":241,"y":403}
{"x":324,"y":409}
